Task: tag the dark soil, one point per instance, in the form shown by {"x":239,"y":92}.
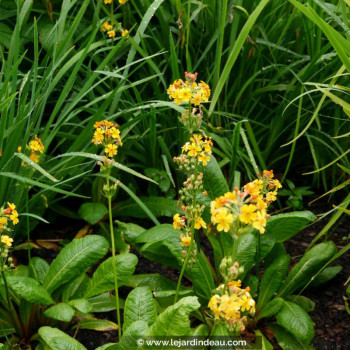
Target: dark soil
{"x":332,"y":322}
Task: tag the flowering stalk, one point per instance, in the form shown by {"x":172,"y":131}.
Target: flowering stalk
{"x":194,"y":153}
{"x":107,"y":134}
{"x":112,"y":28}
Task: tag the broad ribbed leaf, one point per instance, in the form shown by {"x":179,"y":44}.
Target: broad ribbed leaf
{"x":174,"y":321}
{"x":60,"y":312}
{"x":214,"y":181}
{"x":325,"y":275}
{"x":92,"y":212}
{"x":271,"y":308}
{"x":155,"y":281}
{"x":105,"y":302}
{"x":29,"y":289}
{"x":288,"y":341}
{"x":140,"y":306}
{"x":98,"y":325}
{"x":202,"y":277}
{"x":304,"y":302}
{"x":103,"y":278}
{"x":81,"y":305}
{"x":284,"y":226}
{"x":75,"y":258}
{"x":244,"y":251}
{"x":38,"y":268}
{"x":265,"y":344}
{"x":272,"y":279}
{"x":294,"y":319}
{"x":131,"y":335}
{"x":307,"y":267}
{"x":59,"y":340}
{"x":76,"y":288}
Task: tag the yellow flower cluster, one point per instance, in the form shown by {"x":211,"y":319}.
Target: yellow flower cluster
{"x":111,"y":30}
{"x":36,"y":146}
{"x":107,"y":134}
{"x":232,"y":306}
{"x":248,"y":207}
{"x":189,"y":91}
{"x":7,"y":214}
{"x":199,"y":148}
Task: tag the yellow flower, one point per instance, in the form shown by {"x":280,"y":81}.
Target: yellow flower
{"x":185,"y":241}
{"x":111,"y":33}
{"x":11,"y":206}
{"x":204,"y":158}
{"x":122,"y":2}
{"x":177,"y":222}
{"x":199,"y":223}
{"x":245,"y":303}
{"x":193,"y":149}
{"x":36,"y":145}
{"x":248,"y":213}
{"x":115,"y":133}
{"x":111,"y":150}
{"x":125,"y":32}
{"x":3,"y":221}
{"x":34,"y":157}
{"x":19,"y":149}
{"x":277,"y":184}
{"x":6,"y":240}
{"x":223,"y":219}
{"x":14,"y":217}
{"x":107,"y":1}
{"x":271,"y":196}
{"x":260,"y":222}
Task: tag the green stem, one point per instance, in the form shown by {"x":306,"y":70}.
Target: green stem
{"x":6,"y":290}
{"x":28,"y":233}
{"x":183,"y":269}
{"x":191,"y":244}
{"x":114,"y":258}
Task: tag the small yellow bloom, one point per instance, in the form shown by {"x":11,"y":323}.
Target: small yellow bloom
{"x":185,"y":241}
{"x":223,"y":219}
{"x":248,"y":213}
{"x":36,"y":145}
{"x":34,"y":157}
{"x":177,"y":222}
{"x":111,"y":150}
{"x":14,"y":217}
{"x":11,"y":206}
{"x":107,"y":2}
{"x":204,"y":158}
{"x":19,"y":149}
{"x":6,"y":240}
{"x":271,"y":196}
{"x":260,"y":222}
{"x":199,"y":223}
{"x":3,"y":221}
{"x":125,"y":32}
{"x":193,"y":150}
{"x":122,"y":2}
{"x":111,"y":33}
{"x":115,"y":133}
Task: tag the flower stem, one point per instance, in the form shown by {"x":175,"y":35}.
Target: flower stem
{"x":183,"y":269}
{"x":191,"y":244}
{"x":114,"y":258}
